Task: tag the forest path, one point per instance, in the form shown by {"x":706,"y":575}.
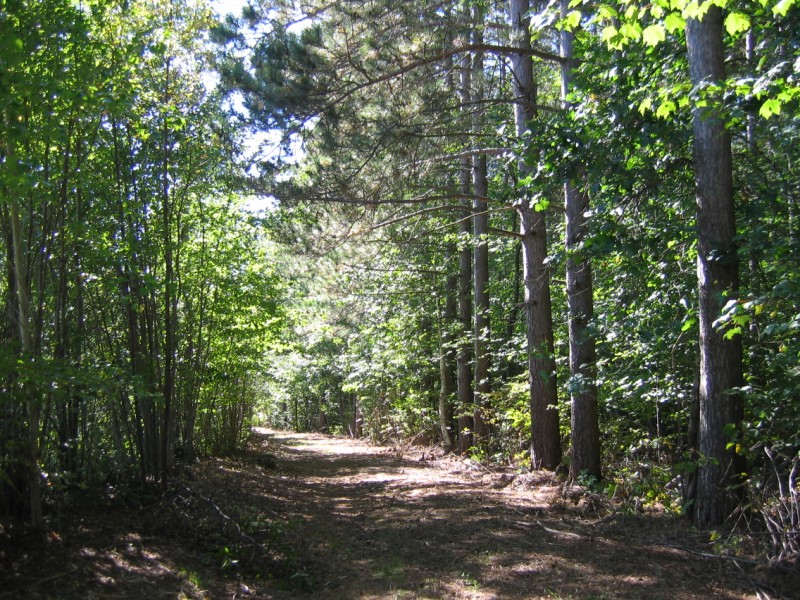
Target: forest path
{"x":359,"y":521}
{"x":301,"y":516}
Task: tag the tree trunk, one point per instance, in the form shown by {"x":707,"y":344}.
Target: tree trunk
{"x":546,"y":438}
{"x":585,"y":452}
{"x":358,"y":420}
{"x":464,"y":356}
{"x":717,"y":273}
{"x":26,"y":347}
{"x":511,"y":366}
{"x":68,"y":317}
{"x":12,"y":430}
{"x":447,"y":367}
{"x":481,"y":279}
{"x":481,"y":256}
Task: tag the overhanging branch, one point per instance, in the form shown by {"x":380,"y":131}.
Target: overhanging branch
{"x":444,"y":54}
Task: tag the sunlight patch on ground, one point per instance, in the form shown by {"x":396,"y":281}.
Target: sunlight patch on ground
{"x":382,"y":478}
{"x":317,"y":442}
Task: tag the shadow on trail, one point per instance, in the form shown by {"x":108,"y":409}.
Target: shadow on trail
{"x":367,"y":524}
{"x":312,"y":516}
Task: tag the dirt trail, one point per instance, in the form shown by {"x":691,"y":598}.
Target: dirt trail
{"x":363,"y":523}
{"x":312,"y":516}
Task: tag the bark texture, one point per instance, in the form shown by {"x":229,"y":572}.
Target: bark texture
{"x":464,"y":356}
{"x":481,"y":277}
{"x":26,"y":346}
{"x":546,"y":439}
{"x":447,"y":359}
{"x":717,"y":275}
{"x":481,"y":252}
{"x":585,"y":452}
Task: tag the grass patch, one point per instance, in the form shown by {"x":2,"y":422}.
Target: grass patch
{"x":393,"y":570}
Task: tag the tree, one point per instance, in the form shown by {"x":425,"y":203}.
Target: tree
{"x":546,"y":437}
{"x":119,"y":308}
{"x":585,"y":451}
{"x":717,"y":271}
{"x":26,"y":348}
{"x":465,"y":351}
{"x":40,"y":134}
{"x":662,"y":99}
{"x":391,"y":162}
{"x":448,"y":331}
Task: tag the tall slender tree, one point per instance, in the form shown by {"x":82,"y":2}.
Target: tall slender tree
{"x":480,"y":207}
{"x":546,"y":438}
{"x":447,"y":356}
{"x":717,"y":270}
{"x":26,"y":346}
{"x":465,"y":350}
{"x":585,"y":451}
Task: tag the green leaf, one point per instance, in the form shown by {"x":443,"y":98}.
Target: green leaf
{"x":666,"y":109}
{"x":645,"y":105}
{"x":737,"y":22}
{"x":609,"y":33}
{"x":697,"y":10}
{"x":675,"y":22}
{"x":604,"y":11}
{"x":572,"y":20}
{"x":654,"y":34}
{"x":632,"y":31}
{"x":770,"y":107}
{"x":733,"y":331}
{"x":782,"y":7}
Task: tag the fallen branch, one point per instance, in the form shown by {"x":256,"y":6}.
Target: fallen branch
{"x":563,"y":534}
{"x":225,"y":520}
{"x":476,"y":465}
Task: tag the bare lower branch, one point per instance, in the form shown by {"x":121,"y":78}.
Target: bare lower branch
{"x":434,"y":58}
{"x":417,"y":214}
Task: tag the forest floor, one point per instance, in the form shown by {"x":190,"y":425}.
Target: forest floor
{"x":313,"y":516}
